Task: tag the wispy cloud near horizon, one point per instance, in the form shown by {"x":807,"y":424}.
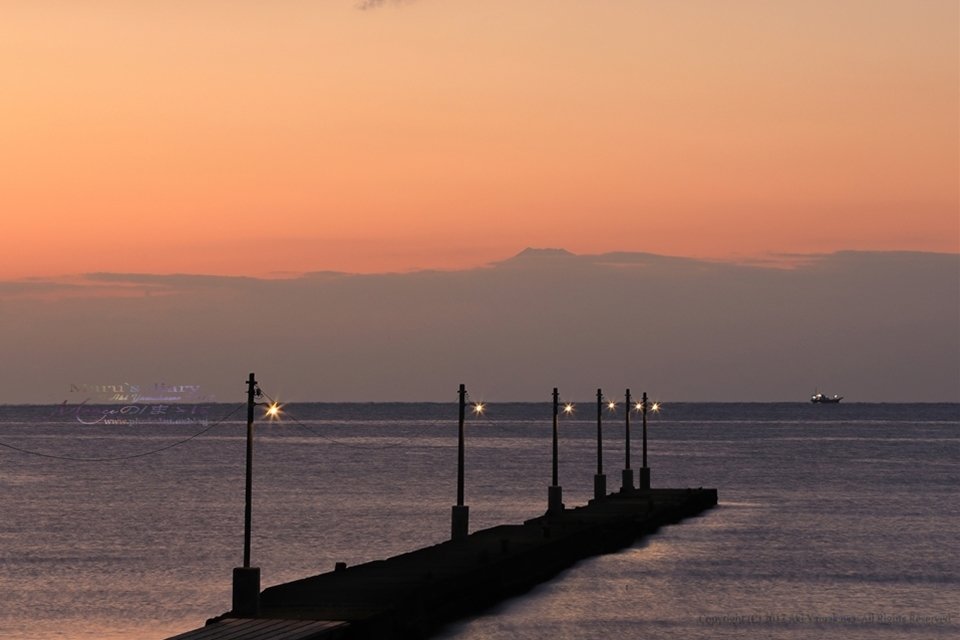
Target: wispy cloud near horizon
{"x":869,"y":326}
{"x":365,"y":5}
{"x":101,"y":284}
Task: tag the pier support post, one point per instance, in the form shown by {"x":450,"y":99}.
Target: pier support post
{"x":555,"y":499}
{"x":599,"y":486}
{"x":460,"y":523}
{"x":644,"y":477}
{"x":246,"y":592}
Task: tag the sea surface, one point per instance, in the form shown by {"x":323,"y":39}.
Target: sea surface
{"x":835,"y":521}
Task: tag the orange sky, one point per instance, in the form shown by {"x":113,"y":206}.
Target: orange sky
{"x":251,"y":137}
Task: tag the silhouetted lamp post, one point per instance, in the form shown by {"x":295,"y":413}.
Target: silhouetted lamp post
{"x":627,"y":471}
{"x":555,"y":491}
{"x":599,"y":480}
{"x":246,"y":579}
{"x":461,"y":513}
{"x":644,"y":470}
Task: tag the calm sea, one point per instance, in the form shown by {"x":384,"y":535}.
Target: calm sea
{"x":834,"y":521}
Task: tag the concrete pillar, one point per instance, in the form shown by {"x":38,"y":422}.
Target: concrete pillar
{"x":599,"y":486}
{"x":554,"y":499}
{"x":645,"y":477}
{"x":627,"y":480}
{"x":460,"y":523}
{"x":246,"y":592}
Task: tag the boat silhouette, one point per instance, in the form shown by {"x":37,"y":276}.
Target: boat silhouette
{"x":819,"y":398}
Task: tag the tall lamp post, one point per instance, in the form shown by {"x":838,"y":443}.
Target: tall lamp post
{"x":644,"y":470}
{"x":627,"y":471}
{"x":461,"y":513}
{"x":555,"y":491}
{"x":600,"y":479}
{"x":246,"y":579}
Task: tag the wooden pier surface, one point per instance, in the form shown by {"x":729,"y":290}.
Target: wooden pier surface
{"x":414,"y":594}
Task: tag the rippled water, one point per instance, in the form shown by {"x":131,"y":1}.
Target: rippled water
{"x":834,"y":521}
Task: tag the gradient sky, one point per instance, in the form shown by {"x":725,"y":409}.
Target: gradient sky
{"x":253,"y":138}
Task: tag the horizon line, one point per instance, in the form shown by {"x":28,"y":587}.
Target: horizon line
{"x":785,"y":260}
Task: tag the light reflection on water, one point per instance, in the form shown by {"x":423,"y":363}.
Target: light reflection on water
{"x":825,"y":510}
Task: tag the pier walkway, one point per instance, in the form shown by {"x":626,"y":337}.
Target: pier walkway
{"x":414,"y":594}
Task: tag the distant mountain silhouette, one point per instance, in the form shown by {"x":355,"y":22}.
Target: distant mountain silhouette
{"x":874,"y":325}
{"x":532,"y":255}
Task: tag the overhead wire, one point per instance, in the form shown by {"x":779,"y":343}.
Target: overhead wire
{"x":118,"y":458}
{"x":475,"y":420}
{"x":357,"y":446}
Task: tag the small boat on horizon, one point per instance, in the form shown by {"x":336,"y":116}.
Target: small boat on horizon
{"x":819,"y":398}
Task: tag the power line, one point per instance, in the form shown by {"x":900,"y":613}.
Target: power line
{"x":356,"y":446}
{"x":130,"y":457}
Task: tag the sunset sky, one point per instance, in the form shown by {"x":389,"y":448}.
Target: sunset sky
{"x":262,"y":138}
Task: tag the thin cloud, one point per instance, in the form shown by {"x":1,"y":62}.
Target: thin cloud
{"x":364,"y":5}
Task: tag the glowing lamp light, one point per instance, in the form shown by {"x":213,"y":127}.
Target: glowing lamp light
{"x":656,"y":406}
{"x":611,"y":405}
{"x":478,"y":408}
{"x":273,"y":411}
{"x":638,"y":406}
{"x":568,"y":408}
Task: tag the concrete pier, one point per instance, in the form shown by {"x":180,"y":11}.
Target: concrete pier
{"x":599,"y":486}
{"x":414,"y":594}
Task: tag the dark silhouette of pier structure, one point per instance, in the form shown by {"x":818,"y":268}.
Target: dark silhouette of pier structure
{"x":413,"y":595}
